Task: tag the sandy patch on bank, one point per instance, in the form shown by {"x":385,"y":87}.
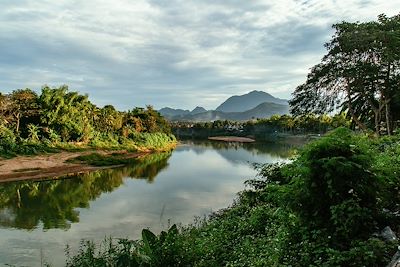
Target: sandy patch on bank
{"x":48,"y":166}
{"x":232,"y":139}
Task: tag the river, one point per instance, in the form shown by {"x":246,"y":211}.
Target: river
{"x":39,"y":218}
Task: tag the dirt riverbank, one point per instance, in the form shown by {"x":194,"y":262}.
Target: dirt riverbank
{"x":49,"y":165}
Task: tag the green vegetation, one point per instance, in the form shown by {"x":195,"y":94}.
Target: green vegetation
{"x":325,"y":208}
{"x":360,"y":74}
{"x":263,"y":129}
{"x":150,"y":251}
{"x":59,"y":119}
{"x":113,"y":159}
{"x":97,"y":159}
{"x":304,"y":124}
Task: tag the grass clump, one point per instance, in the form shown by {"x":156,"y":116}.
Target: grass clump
{"x":11,"y":146}
{"x":96,"y":159}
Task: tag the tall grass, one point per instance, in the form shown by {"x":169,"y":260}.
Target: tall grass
{"x":10,"y":146}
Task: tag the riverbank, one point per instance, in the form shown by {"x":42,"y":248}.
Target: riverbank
{"x":56,"y":165}
{"x":24,"y":159}
{"x":231,"y":139}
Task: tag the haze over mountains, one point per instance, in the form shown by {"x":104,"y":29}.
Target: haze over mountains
{"x":256,"y":104}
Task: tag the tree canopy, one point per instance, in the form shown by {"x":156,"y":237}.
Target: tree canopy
{"x":360,"y":74}
{"x":58,"y":115}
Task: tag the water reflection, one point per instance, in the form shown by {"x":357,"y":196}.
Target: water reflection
{"x":275,"y":149}
{"x":243,"y":152}
{"x":198,"y":178}
{"x":53,"y":203}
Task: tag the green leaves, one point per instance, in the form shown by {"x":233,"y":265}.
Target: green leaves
{"x":359,"y":74}
{"x":150,"y":243}
{"x":66,"y":112}
{"x":151,"y":251}
{"x":60,"y":118}
{"x":33,"y":132}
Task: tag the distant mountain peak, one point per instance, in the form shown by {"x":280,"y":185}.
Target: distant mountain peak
{"x":254,"y":104}
{"x":170,"y":112}
{"x":263,"y":110}
{"x":248,"y":101}
{"x":198,"y":110}
{"x":256,"y":92}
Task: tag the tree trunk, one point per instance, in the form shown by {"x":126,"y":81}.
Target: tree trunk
{"x":18,"y":116}
{"x":377,"y":124}
{"x":353,"y":115}
{"x":18,"y":198}
{"x":388,"y":118}
{"x":377,"y":115}
{"x":387,"y":101}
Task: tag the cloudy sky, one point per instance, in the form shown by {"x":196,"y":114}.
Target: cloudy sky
{"x":176,"y":53}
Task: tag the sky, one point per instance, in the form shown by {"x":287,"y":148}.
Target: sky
{"x":175,"y":53}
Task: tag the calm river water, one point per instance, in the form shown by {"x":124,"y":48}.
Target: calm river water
{"x":38,"y":219}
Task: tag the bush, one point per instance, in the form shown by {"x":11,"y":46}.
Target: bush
{"x":7,"y":135}
{"x":150,"y":251}
{"x":154,"y":141}
{"x":337,"y":170}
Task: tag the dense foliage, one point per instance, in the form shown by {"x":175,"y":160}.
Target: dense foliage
{"x":31,"y":123}
{"x":360,"y":74}
{"x":325,"y":208}
{"x":305,"y":124}
{"x":263,"y":129}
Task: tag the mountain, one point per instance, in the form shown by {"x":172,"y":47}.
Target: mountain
{"x":198,"y":110}
{"x":176,"y":114}
{"x":248,"y":101}
{"x":256,"y":104}
{"x":170,"y":112}
{"x":210,"y":115}
{"x":263,"y":110}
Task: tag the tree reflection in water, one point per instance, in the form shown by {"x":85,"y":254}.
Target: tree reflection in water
{"x":282,"y":150}
{"x":53,"y":203}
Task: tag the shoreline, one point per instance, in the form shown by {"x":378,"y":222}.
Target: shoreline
{"x":231,"y":139}
{"x":52,"y":166}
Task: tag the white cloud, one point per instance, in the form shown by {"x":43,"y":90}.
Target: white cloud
{"x":178,"y":53}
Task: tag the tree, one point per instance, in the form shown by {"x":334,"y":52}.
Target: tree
{"x":147,"y":120}
{"x":109,"y":119}
{"x":360,"y":74}
{"x":69,"y":113}
{"x":24,"y":103}
{"x":5,"y":108}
